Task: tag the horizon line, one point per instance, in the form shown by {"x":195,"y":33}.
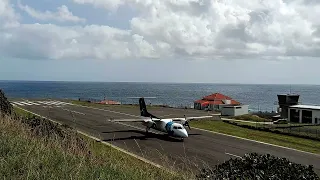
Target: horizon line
{"x":154,"y":82}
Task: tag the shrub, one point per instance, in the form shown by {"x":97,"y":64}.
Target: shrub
{"x":5,"y":105}
{"x":256,"y":166}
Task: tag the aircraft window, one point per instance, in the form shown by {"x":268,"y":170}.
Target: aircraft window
{"x":174,"y":127}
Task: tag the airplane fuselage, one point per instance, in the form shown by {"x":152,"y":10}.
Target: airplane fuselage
{"x":167,"y":126}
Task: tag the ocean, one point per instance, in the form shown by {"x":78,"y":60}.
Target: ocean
{"x":258,"y":97}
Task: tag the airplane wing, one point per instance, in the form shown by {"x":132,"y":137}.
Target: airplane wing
{"x":133,"y":120}
{"x":190,"y":118}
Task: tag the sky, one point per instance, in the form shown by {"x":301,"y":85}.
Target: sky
{"x":207,"y":41}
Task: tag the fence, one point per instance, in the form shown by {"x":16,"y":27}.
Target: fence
{"x":299,"y":130}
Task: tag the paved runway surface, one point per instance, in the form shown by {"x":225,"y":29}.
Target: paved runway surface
{"x":199,"y":150}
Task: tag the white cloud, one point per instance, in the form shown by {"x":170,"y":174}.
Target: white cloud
{"x":62,"y":15}
{"x":107,"y":4}
{"x":8,"y":17}
{"x":202,"y":29}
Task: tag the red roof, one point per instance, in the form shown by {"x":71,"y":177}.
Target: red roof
{"x":202,"y":102}
{"x":216,"y":96}
{"x":216,"y":99}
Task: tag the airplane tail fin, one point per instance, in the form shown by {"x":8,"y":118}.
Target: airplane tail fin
{"x":143,"y":109}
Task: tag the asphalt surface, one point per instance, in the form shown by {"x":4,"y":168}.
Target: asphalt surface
{"x":200,"y":149}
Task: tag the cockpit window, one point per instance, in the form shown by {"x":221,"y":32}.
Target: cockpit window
{"x":177,"y":127}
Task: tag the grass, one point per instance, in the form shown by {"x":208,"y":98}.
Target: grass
{"x":250,"y":117}
{"x":268,"y":137}
{"x":21,"y":113}
{"x":297,"y":129}
{"x":25,"y":155}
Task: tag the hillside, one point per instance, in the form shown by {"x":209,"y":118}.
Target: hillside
{"x":34,"y":148}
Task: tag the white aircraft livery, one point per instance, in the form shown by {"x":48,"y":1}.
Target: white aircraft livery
{"x":168,"y":125}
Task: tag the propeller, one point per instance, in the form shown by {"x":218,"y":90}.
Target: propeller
{"x":186,"y":123}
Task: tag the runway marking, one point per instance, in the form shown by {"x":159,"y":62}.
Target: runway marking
{"x":234,"y":155}
{"x":26,"y":103}
{"x":41,"y":102}
{"x":73,"y":111}
{"x":33,"y":103}
{"x":38,"y":103}
{"x":116,"y":112}
{"x":106,"y":143}
{"x":258,"y":142}
{"x":212,"y":132}
{"x":50,"y":103}
{"x":17,"y":103}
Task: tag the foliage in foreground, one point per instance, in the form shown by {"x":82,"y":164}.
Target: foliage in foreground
{"x":35,"y":148}
{"x":38,"y":154}
{"x":256,"y":166}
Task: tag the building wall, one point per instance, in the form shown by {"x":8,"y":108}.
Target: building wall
{"x":197,"y":106}
{"x":243,"y":110}
{"x":235,"y":111}
{"x":217,"y":107}
{"x":227,"y":111}
{"x":315,"y":114}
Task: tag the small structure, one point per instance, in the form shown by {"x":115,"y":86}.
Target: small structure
{"x":214,"y":102}
{"x":285,"y":101}
{"x":237,"y":110}
{"x":304,"y":114}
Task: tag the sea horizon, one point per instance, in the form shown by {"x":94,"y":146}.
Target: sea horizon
{"x":160,"y":82}
{"x":259,"y":97}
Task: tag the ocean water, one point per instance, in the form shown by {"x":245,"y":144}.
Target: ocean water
{"x":258,"y":97}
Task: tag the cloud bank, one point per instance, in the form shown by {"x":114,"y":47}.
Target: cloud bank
{"x":162,"y":29}
{"x":62,"y":15}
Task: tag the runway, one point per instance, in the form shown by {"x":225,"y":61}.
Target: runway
{"x":199,"y":150}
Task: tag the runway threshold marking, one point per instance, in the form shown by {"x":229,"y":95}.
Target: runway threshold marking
{"x":103,"y":142}
{"x":17,"y":103}
{"x":212,"y":132}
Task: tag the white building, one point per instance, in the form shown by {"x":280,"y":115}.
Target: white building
{"x":304,"y":114}
{"x":234,"y":110}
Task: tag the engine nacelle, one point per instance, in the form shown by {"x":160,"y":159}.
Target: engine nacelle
{"x":148,"y":123}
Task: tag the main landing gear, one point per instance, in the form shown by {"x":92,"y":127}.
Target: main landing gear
{"x":147,"y":130}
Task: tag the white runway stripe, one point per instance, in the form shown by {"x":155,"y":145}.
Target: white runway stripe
{"x":26,"y":103}
{"x":42,"y":102}
{"x":48,"y":102}
{"x":59,"y":103}
{"x":38,"y":103}
{"x":17,"y":103}
{"x":64,"y":103}
{"x":33,"y":103}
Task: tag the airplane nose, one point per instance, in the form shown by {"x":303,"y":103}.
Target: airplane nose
{"x":184,"y":133}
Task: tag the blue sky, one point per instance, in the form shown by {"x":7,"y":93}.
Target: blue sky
{"x":272,"y":42}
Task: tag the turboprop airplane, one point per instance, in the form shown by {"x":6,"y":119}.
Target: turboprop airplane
{"x":167,"y":125}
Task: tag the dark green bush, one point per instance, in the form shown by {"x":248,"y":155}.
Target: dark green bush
{"x":256,"y":166}
{"x":5,"y":105}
